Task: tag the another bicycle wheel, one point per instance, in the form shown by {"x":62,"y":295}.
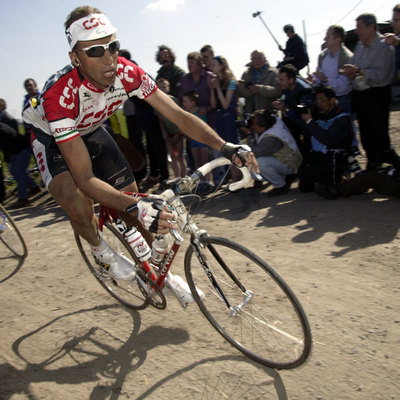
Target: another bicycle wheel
{"x":126,"y":292}
{"x":10,"y":235}
{"x":248,"y":303}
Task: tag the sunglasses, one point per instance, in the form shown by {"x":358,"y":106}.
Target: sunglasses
{"x":99,"y":50}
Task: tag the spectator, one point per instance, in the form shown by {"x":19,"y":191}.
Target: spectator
{"x":173,"y":137}
{"x":17,"y":154}
{"x":331,"y":135}
{"x":197,"y":80}
{"x":136,"y":156}
{"x":32,"y":90}
{"x":295,"y":52}
{"x":295,"y":91}
{"x":207,"y":53}
{"x":276,"y":151}
{"x":200,"y":151}
{"x":330,"y":61}
{"x":372,"y":72}
{"x":259,"y":84}
{"x":171,"y":72}
{"x":148,"y":124}
{"x":30,"y":86}
{"x":129,"y":106}
{"x":223,"y":99}
{"x":394,"y":38}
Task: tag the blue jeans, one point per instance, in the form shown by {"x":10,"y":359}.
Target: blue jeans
{"x":274,"y":171}
{"x":18,"y":165}
{"x":345,"y":103}
{"x":226,"y":128}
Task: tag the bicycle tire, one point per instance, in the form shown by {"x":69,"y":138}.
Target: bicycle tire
{"x":127,"y":293}
{"x":271,"y":328}
{"x":10,"y":235}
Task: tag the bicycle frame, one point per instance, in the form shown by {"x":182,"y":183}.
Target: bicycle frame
{"x":185,"y":223}
{"x":109,"y":214}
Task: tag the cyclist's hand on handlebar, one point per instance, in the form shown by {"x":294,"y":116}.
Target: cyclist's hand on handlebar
{"x":240,"y":155}
{"x":155,"y":217}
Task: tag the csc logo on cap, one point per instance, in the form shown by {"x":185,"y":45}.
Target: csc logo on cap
{"x":92,"y":23}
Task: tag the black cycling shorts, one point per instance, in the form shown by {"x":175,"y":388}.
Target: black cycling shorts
{"x":108,"y":162}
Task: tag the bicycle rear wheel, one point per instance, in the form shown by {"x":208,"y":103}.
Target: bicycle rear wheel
{"x":248,"y":303}
{"x":10,"y":236}
{"x":126,"y":292}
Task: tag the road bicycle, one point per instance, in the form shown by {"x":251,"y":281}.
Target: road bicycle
{"x":245,"y":300}
{"x":10,"y":235}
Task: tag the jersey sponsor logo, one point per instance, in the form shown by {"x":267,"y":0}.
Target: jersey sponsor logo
{"x":92,"y":23}
{"x":125,"y":73}
{"x":61,"y":130}
{"x":119,"y":180}
{"x":93,"y":118}
{"x":85,"y":109}
{"x":68,"y":96}
{"x":92,"y":87}
{"x":147,"y":86}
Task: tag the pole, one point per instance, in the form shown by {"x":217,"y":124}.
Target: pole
{"x":258,"y":14}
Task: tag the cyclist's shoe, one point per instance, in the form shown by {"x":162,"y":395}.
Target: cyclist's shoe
{"x":181,"y":289}
{"x":116,"y":266}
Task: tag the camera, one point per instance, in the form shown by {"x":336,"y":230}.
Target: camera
{"x":302,"y":109}
{"x":243,"y":122}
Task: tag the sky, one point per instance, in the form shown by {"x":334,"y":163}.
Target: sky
{"x":33,"y":43}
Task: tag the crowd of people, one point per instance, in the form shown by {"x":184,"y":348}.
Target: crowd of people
{"x":325,"y":118}
{"x":309,"y":128}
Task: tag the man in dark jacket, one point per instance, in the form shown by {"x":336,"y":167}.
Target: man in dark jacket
{"x":171,"y":72}
{"x":17,"y":154}
{"x":295,"y":52}
{"x":331,"y":133}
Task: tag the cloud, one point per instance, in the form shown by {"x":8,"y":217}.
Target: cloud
{"x":164,"y":5}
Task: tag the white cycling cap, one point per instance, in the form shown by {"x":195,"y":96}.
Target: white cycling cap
{"x":91,"y":27}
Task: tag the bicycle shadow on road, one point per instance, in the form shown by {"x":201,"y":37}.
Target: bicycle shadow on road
{"x":228,"y":377}
{"x":10,"y":264}
{"x":94,"y":354}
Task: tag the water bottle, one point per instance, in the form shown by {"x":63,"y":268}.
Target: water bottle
{"x":160,"y":248}
{"x":138,"y":244}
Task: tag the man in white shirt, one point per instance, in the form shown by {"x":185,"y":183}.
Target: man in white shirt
{"x":330,"y":61}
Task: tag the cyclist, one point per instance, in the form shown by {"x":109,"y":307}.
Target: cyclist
{"x":78,"y":160}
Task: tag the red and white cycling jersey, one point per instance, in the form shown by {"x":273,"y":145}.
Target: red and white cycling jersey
{"x":70,"y":105}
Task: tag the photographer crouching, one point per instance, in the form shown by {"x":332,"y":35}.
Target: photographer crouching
{"x":331,"y":133}
{"x":275,"y":149}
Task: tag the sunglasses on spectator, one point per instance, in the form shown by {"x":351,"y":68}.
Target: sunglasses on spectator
{"x":99,"y":50}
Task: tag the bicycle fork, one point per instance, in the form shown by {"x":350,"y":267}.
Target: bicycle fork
{"x":247,"y":294}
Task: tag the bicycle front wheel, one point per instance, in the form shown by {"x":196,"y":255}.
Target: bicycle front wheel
{"x":10,"y":236}
{"x":126,"y":292}
{"x":248,"y":303}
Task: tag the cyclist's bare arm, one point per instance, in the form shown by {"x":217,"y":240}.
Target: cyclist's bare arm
{"x":193,"y":126}
{"x":78,"y":160}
